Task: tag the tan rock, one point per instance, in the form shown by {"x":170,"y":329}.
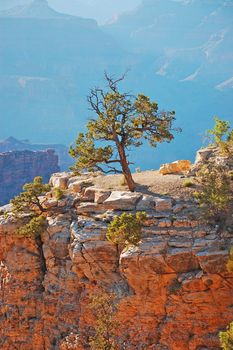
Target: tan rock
{"x":60,"y":180}
{"x":96,"y":195}
{"x":79,"y":185}
{"x":120,"y":200}
{"x":177,"y":167}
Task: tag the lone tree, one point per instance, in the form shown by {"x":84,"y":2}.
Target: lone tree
{"x":123,"y":120}
{"x":29,"y":203}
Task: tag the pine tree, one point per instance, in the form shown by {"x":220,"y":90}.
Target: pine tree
{"x":123,"y":121}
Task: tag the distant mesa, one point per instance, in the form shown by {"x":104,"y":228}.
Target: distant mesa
{"x":13,"y":144}
{"x":20,"y":167}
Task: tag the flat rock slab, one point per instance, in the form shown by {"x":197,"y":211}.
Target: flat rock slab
{"x":163,"y":204}
{"x":120,"y":200}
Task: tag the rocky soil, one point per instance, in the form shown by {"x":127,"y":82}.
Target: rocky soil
{"x":173,"y":289}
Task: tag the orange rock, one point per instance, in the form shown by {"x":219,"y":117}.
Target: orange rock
{"x":177,"y":167}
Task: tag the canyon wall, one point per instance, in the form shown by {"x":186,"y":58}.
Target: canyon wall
{"x":173,"y":289}
{"x":20,"y":167}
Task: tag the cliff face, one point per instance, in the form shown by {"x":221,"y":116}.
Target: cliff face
{"x":12,"y":144}
{"x":19,"y":167}
{"x":174,"y":291}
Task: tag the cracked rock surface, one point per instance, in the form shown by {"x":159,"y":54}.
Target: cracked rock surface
{"x":173,"y":288}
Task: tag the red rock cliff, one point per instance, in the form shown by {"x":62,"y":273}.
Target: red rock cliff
{"x":174,"y":291}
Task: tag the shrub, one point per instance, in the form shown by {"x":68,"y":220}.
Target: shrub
{"x":58,"y":193}
{"x":29,"y":202}
{"x":214,"y":195}
{"x":104,"y":307}
{"x":188,"y":183}
{"x":34,"y":227}
{"x":222,"y":136}
{"x":126,"y":229}
{"x":226,"y":338}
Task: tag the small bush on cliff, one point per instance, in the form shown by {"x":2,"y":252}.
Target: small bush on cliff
{"x":123,"y":121}
{"x":58,"y":193}
{"x":215,"y":194}
{"x":126,"y":229}
{"x":34,"y":227}
{"x":104,"y":307}
{"x":226,"y":338}
{"x":28,"y":205}
{"x":222,"y":135}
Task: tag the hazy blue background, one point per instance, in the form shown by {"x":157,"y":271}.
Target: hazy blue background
{"x":179,"y":53}
{"x":101,"y":10}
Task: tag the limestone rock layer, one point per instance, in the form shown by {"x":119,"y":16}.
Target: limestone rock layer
{"x":173,"y":289}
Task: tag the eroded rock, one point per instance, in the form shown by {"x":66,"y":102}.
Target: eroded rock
{"x":177,"y":167}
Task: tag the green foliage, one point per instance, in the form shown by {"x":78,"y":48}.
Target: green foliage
{"x":58,"y":193}
{"x":126,"y":229}
{"x":214,"y":195}
{"x":188,"y":183}
{"x":230,"y":261}
{"x":122,"y":121}
{"x":6,"y":215}
{"x":223,"y":136}
{"x":226,"y":338}
{"x":34,"y":227}
{"x":28,"y":204}
{"x":104,"y":308}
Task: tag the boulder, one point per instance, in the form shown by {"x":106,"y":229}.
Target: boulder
{"x":101,"y":196}
{"x":178,"y":167}
{"x":203,"y":154}
{"x":60,"y":180}
{"x":146,"y":203}
{"x":96,"y":195}
{"x":120,"y":200}
{"x":79,"y":185}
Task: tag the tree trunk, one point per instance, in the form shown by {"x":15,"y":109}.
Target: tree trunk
{"x":125,"y":168}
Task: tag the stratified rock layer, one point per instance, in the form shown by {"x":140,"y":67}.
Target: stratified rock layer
{"x":19,"y":167}
{"x":173,"y":289}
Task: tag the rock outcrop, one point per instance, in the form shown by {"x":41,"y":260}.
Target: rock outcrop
{"x":19,"y":167}
{"x":12,"y":144}
{"x":173,"y":289}
{"x":177,"y":167}
{"x":211,"y":154}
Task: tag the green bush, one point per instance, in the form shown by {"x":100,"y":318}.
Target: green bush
{"x":29,"y":202}
{"x":214,"y":195}
{"x":104,"y":308}
{"x":58,"y":193}
{"x":126,"y":229}
{"x":222,"y":136}
{"x":226,"y":338}
{"x":34,"y":228}
{"x":188,"y":183}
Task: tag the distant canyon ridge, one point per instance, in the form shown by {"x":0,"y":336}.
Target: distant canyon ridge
{"x":20,"y":167}
{"x":21,"y":161}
